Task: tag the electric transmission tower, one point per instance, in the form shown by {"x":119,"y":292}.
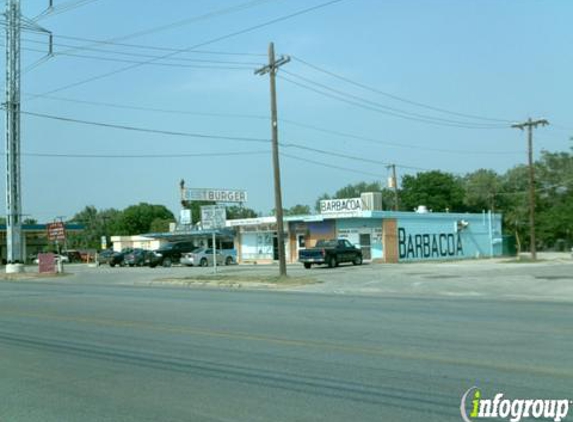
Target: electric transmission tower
{"x":13,"y":180}
{"x":15,"y":22}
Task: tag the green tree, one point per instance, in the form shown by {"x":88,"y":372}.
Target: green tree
{"x":236,"y":212}
{"x":554,"y":219}
{"x":160,"y":225}
{"x":437,"y":190}
{"x":137,"y":219}
{"x":96,"y":225}
{"x":481,"y":188}
{"x":297,"y":210}
{"x":513,"y":202}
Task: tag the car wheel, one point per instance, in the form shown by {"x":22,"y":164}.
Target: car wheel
{"x":357,"y":260}
{"x":111,"y":264}
{"x":307,"y":265}
{"x":228,"y":261}
{"x":332,"y":262}
{"x":167,"y":262}
{"x":204,"y":262}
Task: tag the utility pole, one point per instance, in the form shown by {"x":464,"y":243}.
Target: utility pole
{"x":272,"y":69}
{"x":530,"y":125}
{"x":395,"y":186}
{"x":13,"y":183}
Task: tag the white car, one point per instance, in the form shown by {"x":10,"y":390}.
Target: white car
{"x":203,"y":257}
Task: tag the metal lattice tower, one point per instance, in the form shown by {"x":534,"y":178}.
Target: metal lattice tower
{"x":13,"y":179}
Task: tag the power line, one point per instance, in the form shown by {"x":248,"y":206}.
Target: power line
{"x":152,"y":109}
{"x":147,"y":130}
{"x":202,"y":44}
{"x":186,"y":21}
{"x":146,"y":63}
{"x":121,"y":156}
{"x":287,"y":121}
{"x":346,"y":156}
{"x":318,"y":163}
{"x":143,"y":55}
{"x":64,"y":7}
{"x":204,"y":64}
{"x":396,"y":97}
{"x":380,"y":108}
{"x":393,"y":144}
{"x":156,"y":48}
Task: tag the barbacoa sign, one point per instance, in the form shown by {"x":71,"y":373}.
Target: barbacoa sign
{"x":429,"y":245}
{"x":332,"y":206}
{"x":216,"y":195}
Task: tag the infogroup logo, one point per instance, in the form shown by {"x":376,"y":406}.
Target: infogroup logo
{"x":474,"y":407}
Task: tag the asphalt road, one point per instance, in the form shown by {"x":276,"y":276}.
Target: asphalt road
{"x":83,"y":349}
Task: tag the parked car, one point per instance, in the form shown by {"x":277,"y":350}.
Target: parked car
{"x":118,"y":258}
{"x":104,"y":256}
{"x":73,"y":255}
{"x":204,"y":257}
{"x":137,"y":257}
{"x":331,"y":252}
{"x":170,"y":253}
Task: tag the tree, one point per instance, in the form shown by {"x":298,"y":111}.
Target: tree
{"x":481,"y":188}
{"x":436,"y":190}
{"x":137,"y":219}
{"x":96,"y":225}
{"x":160,"y":225}
{"x":297,"y":210}
{"x":236,"y":212}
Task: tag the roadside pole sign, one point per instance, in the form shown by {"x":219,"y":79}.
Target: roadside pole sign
{"x":216,"y":195}
{"x":185,"y":217}
{"x":213,"y":217}
{"x":56,"y":231}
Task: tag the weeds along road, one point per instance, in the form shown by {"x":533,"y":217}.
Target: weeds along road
{"x":83,"y":350}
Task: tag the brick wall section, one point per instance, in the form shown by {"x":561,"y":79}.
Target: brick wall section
{"x":390,"y":240}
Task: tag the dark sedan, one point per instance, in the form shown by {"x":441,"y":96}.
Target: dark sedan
{"x":137,"y":258}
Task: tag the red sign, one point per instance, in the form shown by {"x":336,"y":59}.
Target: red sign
{"x":47,"y":263}
{"x":56,"y":231}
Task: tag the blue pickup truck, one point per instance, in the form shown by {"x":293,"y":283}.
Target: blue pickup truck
{"x":330,"y":252}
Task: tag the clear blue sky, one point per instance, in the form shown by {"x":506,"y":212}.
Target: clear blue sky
{"x":503,"y":60}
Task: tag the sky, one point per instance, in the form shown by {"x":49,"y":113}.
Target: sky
{"x":420,"y":84}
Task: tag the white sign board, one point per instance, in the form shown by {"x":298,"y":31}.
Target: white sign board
{"x":216,"y":195}
{"x":185,"y":217}
{"x":336,"y":206}
{"x":213,"y":217}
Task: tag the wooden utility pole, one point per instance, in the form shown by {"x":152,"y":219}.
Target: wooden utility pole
{"x":272,"y":69}
{"x":530,"y":125}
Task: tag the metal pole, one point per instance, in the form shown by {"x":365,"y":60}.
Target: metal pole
{"x":13,"y":183}
{"x":214,"y":253}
